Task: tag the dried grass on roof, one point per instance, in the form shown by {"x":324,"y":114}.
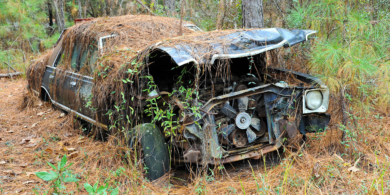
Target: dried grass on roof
{"x":133,"y":32}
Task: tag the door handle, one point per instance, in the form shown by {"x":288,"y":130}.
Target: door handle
{"x":73,"y":83}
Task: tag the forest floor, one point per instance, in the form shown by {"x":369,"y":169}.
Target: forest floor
{"x":37,"y":134}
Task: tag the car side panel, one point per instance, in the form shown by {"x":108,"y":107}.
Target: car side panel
{"x":48,"y":79}
{"x":82,"y":99}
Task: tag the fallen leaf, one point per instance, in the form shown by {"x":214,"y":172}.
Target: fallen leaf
{"x":30,"y":173}
{"x":12,"y":172}
{"x":23,"y":165}
{"x":1,"y":139}
{"x":65,"y":134}
{"x":10,"y":131}
{"x":24,"y":141}
{"x":316,"y":170}
{"x":30,"y":145}
{"x":25,"y":126}
{"x":37,"y":140}
{"x":81,"y":141}
{"x":51,"y":161}
{"x":49,"y":151}
{"x":74,"y":154}
{"x":18,"y":191}
{"x":63,"y":144}
{"x":8,"y":172}
{"x":28,"y":182}
{"x":70,"y":149}
{"x":64,"y":149}
{"x":35,"y":124}
{"x":6,"y":178}
{"x":347,"y":164}
{"x":354,"y":168}
{"x":40,"y":104}
{"x":2,"y":162}
{"x":62,"y":115}
{"x":41,"y":113}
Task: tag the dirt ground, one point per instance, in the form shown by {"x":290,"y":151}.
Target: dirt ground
{"x":37,"y":134}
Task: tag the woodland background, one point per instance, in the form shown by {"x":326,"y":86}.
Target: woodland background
{"x":350,"y":53}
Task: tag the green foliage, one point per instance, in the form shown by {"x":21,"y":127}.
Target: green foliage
{"x":96,"y":190}
{"x":59,"y":176}
{"x":351,"y":50}
{"x":22,"y":21}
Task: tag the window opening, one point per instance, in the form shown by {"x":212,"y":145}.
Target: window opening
{"x":58,"y":58}
{"x":103,"y":41}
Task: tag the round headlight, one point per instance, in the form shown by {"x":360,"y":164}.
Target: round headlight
{"x":313,"y":100}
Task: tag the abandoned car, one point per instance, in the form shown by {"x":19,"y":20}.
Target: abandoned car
{"x":183,"y":95}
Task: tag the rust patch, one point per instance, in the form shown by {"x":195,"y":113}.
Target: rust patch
{"x":290,"y":128}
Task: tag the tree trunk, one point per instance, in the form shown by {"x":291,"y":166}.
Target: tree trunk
{"x":252,"y":14}
{"x":49,"y":8}
{"x":343,"y":111}
{"x":132,"y":8}
{"x":59,"y":4}
{"x":153,"y":5}
{"x":108,"y":8}
{"x":170,"y":6}
{"x":181,"y":18}
{"x":221,"y":14}
{"x":80,"y":9}
{"x":85,"y":8}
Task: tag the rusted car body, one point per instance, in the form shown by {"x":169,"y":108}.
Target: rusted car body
{"x":242,"y":116}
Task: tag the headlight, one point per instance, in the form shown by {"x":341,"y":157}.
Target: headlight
{"x":313,"y":100}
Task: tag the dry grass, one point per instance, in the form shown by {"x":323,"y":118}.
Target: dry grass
{"x":319,"y":168}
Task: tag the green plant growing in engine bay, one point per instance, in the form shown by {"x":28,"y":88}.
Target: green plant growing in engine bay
{"x":167,"y":116}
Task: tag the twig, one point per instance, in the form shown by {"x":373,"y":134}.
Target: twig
{"x":146,"y":7}
{"x":10,"y":75}
{"x":10,"y":66}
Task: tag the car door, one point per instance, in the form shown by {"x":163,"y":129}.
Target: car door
{"x":58,"y":80}
{"x":84,"y":81}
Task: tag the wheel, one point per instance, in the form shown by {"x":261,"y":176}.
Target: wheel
{"x":154,"y":150}
{"x":44,"y":96}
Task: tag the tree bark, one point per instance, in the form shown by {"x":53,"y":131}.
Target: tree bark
{"x":153,"y":5}
{"x":252,"y":14}
{"x":85,"y":8}
{"x":145,"y":7}
{"x":170,"y":6}
{"x":181,"y":18}
{"x":80,"y":9}
{"x":59,"y":4}
{"x":221,"y":14}
{"x":49,"y":8}
{"x":10,"y":75}
{"x":108,"y":8}
{"x":343,"y":111}
{"x":132,"y":8}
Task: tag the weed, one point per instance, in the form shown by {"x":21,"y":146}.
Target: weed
{"x":102,"y":190}
{"x":58,"y":177}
